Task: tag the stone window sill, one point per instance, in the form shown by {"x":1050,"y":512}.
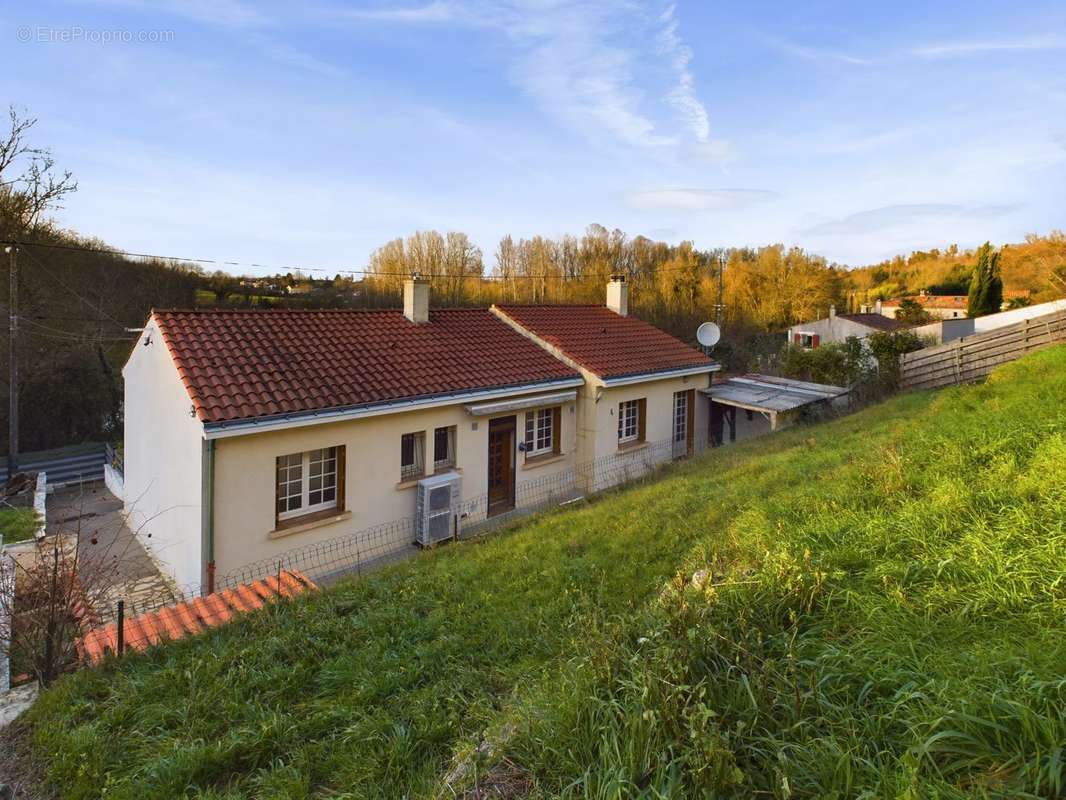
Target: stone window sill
{"x":410,"y":483}
{"x":532,"y":462}
{"x":308,"y":523}
{"x":628,"y":447}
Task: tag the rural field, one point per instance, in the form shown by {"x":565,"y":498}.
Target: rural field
{"x":869,"y":607}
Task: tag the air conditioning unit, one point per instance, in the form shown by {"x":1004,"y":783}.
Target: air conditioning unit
{"x":437,"y":508}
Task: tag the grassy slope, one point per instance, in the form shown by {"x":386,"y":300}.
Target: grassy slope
{"x":887,"y":616}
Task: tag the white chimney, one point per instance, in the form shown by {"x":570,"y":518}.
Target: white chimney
{"x":618,"y":295}
{"x":832,"y":313}
{"x":416,"y":299}
{"x":877,"y":306}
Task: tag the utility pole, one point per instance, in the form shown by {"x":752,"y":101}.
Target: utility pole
{"x":13,"y":361}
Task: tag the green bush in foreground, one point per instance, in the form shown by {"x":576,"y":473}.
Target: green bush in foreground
{"x":878,"y":612}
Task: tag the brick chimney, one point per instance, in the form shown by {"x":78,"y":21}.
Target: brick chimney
{"x":618,"y":295}
{"x":416,"y":299}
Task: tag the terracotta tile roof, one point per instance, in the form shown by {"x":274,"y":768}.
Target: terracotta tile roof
{"x":191,"y":617}
{"x":952,"y":301}
{"x":605,"y":343}
{"x":246,"y":364}
{"x":878,"y":321}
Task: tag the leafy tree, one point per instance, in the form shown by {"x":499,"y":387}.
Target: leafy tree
{"x":986,"y":286}
{"x":911,"y":312}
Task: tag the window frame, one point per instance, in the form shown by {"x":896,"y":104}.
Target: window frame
{"x":631,"y":411}
{"x":541,"y":437}
{"x":449,"y":462}
{"x":303,"y":466}
{"x":417,"y":468}
{"x":681,"y":417}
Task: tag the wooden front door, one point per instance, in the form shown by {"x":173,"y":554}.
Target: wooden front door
{"x":501,"y":464}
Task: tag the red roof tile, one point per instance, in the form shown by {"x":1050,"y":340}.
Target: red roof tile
{"x":246,"y":364}
{"x":191,"y":617}
{"x":931,"y":301}
{"x":605,"y":343}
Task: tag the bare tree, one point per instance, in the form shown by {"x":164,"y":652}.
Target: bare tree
{"x":30,"y":185}
{"x":64,"y":584}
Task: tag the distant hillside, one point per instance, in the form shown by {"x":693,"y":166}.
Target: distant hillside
{"x":870,"y":607}
{"x":74,"y":308}
{"x":1037,"y":265}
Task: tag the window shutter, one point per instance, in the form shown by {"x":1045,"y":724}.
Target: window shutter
{"x":796,"y":338}
{"x":557,"y":432}
{"x":815,"y":339}
{"x":642,"y":413}
{"x":340,"y":478}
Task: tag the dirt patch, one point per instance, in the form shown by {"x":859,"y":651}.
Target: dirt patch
{"x":504,"y":781}
{"x":21,"y":774}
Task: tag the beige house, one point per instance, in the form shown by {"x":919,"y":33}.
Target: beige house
{"x":251,"y":433}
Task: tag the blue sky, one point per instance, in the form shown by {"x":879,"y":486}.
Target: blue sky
{"x":309,"y":134}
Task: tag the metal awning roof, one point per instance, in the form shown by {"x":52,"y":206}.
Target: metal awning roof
{"x":501,"y":407}
{"x":770,"y":393}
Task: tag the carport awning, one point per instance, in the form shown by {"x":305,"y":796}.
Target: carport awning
{"x":770,"y":393}
{"x":502,"y":407}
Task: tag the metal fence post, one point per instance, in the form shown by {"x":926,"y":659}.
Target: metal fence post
{"x":121,"y":627}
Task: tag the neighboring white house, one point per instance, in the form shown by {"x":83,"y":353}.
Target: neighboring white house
{"x":838,"y":327}
{"x":947,"y":330}
{"x":249,"y":433}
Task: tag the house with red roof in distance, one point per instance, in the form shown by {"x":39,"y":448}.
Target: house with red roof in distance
{"x":942,"y":306}
{"x":839,"y":327}
{"x":252,"y":433}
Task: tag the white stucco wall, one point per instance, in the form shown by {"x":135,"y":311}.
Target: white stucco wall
{"x":244,"y":522}
{"x":836,"y":329}
{"x":162,"y":452}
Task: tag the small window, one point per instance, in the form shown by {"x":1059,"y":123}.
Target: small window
{"x":542,"y":431}
{"x":443,"y":448}
{"x":629,"y":422}
{"x":412,"y":455}
{"x":808,"y":341}
{"x":309,"y":482}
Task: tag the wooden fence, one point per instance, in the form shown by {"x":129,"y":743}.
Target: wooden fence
{"x":971,"y":358}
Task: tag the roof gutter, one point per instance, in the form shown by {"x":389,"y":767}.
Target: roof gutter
{"x":221,"y":430}
{"x":641,"y":377}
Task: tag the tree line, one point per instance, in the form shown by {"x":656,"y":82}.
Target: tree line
{"x":77,"y":299}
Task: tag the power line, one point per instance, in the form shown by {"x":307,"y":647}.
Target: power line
{"x":365,"y":272}
{"x":74,"y":292}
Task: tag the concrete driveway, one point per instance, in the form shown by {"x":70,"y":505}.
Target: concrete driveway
{"x":113,"y":563}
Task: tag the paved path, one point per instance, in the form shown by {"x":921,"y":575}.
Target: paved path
{"x":114,"y":564}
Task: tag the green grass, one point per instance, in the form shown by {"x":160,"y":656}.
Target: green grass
{"x":18,"y":524}
{"x":883,"y":617}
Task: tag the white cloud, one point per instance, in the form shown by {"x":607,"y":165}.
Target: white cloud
{"x":600,"y":66}
{"x":683,"y":95}
{"x":430,"y":12}
{"x":818,"y":54}
{"x":903,"y":215}
{"x":680,"y":199}
{"x":966,"y":48}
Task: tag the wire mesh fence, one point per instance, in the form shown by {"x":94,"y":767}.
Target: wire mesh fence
{"x":354,"y":554}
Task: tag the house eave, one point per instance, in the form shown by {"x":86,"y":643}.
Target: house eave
{"x":642,"y":377}
{"x":243,"y":427}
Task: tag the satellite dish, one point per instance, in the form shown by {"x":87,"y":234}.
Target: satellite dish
{"x":708,"y":334}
